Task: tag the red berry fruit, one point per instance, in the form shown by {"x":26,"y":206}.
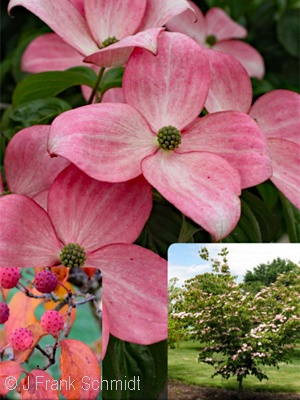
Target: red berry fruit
{"x":21,"y":339}
{"x":4,"y":312}
{"x":52,"y":321}
{"x":45,"y":281}
{"x":9,"y":277}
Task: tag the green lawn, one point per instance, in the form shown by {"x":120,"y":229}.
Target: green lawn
{"x":183,"y":366}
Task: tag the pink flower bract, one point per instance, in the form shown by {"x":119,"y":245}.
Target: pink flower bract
{"x":219,"y":154}
{"x":278,"y":115}
{"x":216,"y":30}
{"x":29,"y":169}
{"x":105,"y":219}
{"x":86,"y":25}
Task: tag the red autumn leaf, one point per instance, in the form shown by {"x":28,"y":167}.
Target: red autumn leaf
{"x":62,"y":291}
{"x":62,"y":273}
{"x":10,"y":372}
{"x":39,"y":385}
{"x":3,"y":340}
{"x":89,"y":271}
{"x":80,"y":369}
{"x":21,"y":312}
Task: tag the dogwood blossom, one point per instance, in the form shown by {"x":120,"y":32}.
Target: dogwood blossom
{"x":102,"y":32}
{"x":210,"y":159}
{"x":29,"y":170}
{"x":100,"y":221}
{"x":278,"y":115}
{"x":216,"y":30}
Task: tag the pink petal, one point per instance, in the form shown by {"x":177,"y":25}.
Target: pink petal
{"x":106,"y":141}
{"x":27,"y":236}
{"x":93,"y":213}
{"x":114,"y":95}
{"x":111,"y":56}
{"x":247,"y":55}
{"x":233,"y":136}
{"x":118,"y":53}
{"x":219,"y":24}
{"x":185,"y":23}
{"x":50,"y":53}
{"x":28,"y":167}
{"x":135,"y":292}
{"x":41,"y":198}
{"x":231,"y":87}
{"x":79,"y":4}
{"x":285,"y":157}
{"x":65,"y":20}
{"x":159,"y":12}
{"x":201,"y":185}
{"x":170,"y":88}
{"x":118,"y":18}
{"x":278,"y":114}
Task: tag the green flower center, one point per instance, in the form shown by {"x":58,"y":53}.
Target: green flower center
{"x":73,"y":255}
{"x":211,"y":40}
{"x":169,"y":138}
{"x":107,"y":42}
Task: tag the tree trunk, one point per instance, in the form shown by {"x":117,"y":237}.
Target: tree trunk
{"x":240,"y":380}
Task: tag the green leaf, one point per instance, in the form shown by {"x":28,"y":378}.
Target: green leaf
{"x":292,"y":224}
{"x":5,"y":67}
{"x":261,"y":86}
{"x":50,"y":84}
{"x":294,"y":4}
{"x":112,"y":78}
{"x":267,"y":220}
{"x":167,"y":225}
{"x":288,"y":32}
{"x":162,"y":228}
{"x":37,"y":112}
{"x":142,"y":370}
{"x":269,"y":193}
{"x":235,"y":8}
{"x":247,"y":229}
{"x":187,"y":231}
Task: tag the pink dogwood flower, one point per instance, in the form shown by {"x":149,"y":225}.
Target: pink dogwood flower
{"x":57,"y":55}
{"x":100,"y":221}
{"x":104,"y":32}
{"x":29,"y":170}
{"x":206,"y":162}
{"x":216,"y":30}
{"x":231,"y":87}
{"x":278,"y":115}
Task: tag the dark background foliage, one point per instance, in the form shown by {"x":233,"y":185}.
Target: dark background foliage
{"x":273,"y":29}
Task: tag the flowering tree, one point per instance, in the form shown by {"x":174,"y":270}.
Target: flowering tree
{"x":241,"y":332}
{"x":128,"y":126}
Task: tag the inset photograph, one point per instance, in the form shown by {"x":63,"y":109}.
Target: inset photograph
{"x":234,"y":321}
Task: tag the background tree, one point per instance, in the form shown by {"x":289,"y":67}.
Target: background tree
{"x":266,"y":274}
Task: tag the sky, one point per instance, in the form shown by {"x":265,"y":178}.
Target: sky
{"x":184,"y":261}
